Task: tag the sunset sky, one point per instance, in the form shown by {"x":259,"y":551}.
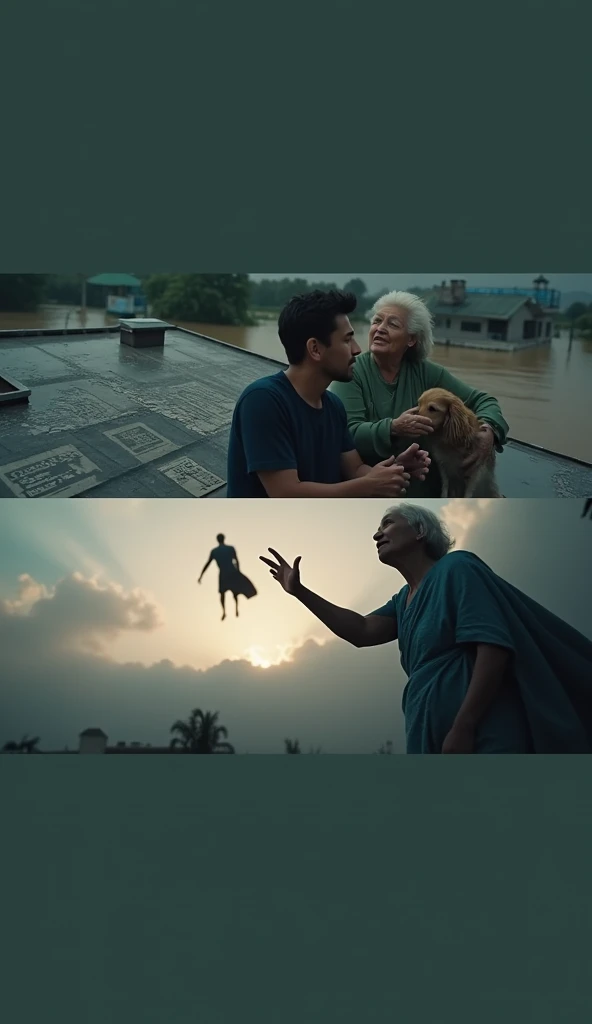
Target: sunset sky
{"x":102,"y":623}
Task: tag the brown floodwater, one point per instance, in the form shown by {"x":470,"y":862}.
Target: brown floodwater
{"x":544,"y":392}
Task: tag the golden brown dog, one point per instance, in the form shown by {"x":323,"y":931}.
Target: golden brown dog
{"x":453,"y":439}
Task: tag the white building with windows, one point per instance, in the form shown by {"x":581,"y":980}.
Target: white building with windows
{"x":502,"y":319}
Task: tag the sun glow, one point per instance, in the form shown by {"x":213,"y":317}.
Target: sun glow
{"x":266,"y":657}
{"x":281,"y":654}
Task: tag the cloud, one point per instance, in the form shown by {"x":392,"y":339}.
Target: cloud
{"x":461,"y":517}
{"x":60,"y":680}
{"x":29,"y":593}
{"x":78,"y":613}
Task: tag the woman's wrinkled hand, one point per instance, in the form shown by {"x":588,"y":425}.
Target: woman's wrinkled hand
{"x":288,"y":576}
{"x":411,"y":424}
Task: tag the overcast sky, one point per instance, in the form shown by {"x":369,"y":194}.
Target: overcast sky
{"x":376,"y":282}
{"x":102,"y":623}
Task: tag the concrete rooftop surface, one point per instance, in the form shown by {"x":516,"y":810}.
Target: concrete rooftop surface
{"x":108,"y":420}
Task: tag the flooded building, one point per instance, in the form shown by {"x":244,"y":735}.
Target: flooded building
{"x":504,"y":319}
{"x":123,"y":294}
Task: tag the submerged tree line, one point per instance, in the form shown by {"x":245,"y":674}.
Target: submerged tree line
{"x":191,"y":298}
{"x":579,"y":317}
{"x":207,"y":298}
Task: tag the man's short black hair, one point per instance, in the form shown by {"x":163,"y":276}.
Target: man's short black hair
{"x":311,"y":315}
{"x":220,"y":538}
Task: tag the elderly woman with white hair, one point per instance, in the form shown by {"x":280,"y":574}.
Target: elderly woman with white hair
{"x":388,"y":379}
{"x":490,"y":671}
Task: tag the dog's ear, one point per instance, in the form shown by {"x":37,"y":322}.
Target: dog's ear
{"x":458,"y":425}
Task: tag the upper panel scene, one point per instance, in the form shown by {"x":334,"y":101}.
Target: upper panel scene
{"x":296,"y":385}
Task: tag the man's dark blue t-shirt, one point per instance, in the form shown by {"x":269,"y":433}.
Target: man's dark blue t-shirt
{"x":274,"y":429}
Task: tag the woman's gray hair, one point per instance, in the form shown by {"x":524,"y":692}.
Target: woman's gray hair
{"x":438,"y":541}
{"x":419,"y":321}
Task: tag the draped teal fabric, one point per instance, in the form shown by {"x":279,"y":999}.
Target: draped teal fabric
{"x":545,"y":705}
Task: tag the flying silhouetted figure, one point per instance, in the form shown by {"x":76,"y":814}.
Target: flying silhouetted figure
{"x":231,"y":578}
{"x":587,"y":507}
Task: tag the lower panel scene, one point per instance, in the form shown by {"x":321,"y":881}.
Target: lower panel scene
{"x":146,"y":627}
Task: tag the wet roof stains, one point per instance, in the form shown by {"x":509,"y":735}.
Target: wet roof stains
{"x":109,"y":420}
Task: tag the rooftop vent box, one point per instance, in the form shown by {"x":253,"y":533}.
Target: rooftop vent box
{"x":143,"y":332}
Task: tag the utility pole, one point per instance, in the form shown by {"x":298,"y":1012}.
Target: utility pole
{"x":571,"y":334}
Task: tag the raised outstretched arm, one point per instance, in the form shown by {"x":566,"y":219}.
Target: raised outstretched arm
{"x":358,"y":630}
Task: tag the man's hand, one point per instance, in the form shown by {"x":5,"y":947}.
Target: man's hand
{"x":484,"y":445}
{"x":414,"y":461}
{"x":460,"y":740}
{"x":287,"y":575}
{"x":411,"y":424}
{"x":387,"y":479}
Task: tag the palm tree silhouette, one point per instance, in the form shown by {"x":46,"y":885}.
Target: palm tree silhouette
{"x":26,"y":745}
{"x":200,"y":734}
{"x":292,"y":747}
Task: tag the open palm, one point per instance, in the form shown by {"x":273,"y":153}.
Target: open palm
{"x":287,"y":575}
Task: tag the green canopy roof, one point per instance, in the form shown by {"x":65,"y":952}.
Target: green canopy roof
{"x":116,"y":280}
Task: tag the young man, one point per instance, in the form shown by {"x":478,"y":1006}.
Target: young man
{"x":289,"y":436}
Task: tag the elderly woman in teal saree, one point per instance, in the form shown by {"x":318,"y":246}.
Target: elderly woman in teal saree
{"x":490,"y":671}
{"x":388,"y":379}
